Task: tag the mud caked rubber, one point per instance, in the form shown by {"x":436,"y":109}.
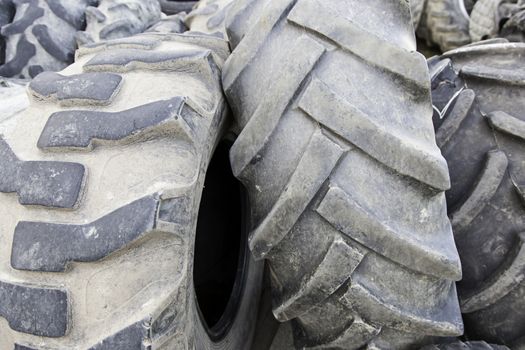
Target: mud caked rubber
{"x":490,"y":19}
{"x":447,"y":23}
{"x":479,"y":98}
{"x":474,"y":345}
{"x":114,"y":19}
{"x":209,"y":17}
{"x":101,"y":180}
{"x":41,"y":36}
{"x":337,"y":152}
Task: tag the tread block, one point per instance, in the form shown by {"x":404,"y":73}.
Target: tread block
{"x":508,"y":277}
{"x":335,"y":269}
{"x":78,"y":129}
{"x":37,"y":311}
{"x":480,"y":196}
{"x":89,"y":88}
{"x":24,"y":51}
{"x":344,"y":213}
{"x":390,"y":147}
{"x":55,"y":49}
{"x":69,"y":16}
{"x":123,"y":60}
{"x":302,"y":187}
{"x":499,"y":75}
{"x":366,"y":45}
{"x":41,"y":246}
{"x":17,"y":27}
{"x":264,"y":120}
{"x":506,"y":123}
{"x":130,"y":338}
{"x":46,"y":183}
{"x":357,"y":335}
{"x":457,"y":115}
{"x":134,"y":42}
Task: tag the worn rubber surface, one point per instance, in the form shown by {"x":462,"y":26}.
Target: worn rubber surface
{"x":479,"y":98}
{"x":475,"y":345}
{"x":447,"y":22}
{"x":114,"y":19}
{"x":348,"y":193}
{"x":41,"y":36}
{"x":100,"y":184}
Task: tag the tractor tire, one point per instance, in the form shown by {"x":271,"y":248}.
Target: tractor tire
{"x":347,"y":193}
{"x":447,"y":23}
{"x":41,"y":36}
{"x":479,"y":98}
{"x":7,"y":12}
{"x":107,"y":242}
{"x":475,"y":345}
{"x":115,"y":19}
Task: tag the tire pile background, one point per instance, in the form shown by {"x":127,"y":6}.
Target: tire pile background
{"x":386,"y":191}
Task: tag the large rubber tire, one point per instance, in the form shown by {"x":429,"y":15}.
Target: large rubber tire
{"x":484,"y":20}
{"x":7,"y":13}
{"x":475,"y":345}
{"x":105,"y":221}
{"x":348,"y":193}
{"x":41,"y":36}
{"x":114,"y":19}
{"x":479,"y":98}
{"x":447,"y":22}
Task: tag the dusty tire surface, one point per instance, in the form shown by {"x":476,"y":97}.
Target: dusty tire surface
{"x":416,"y":8}
{"x":103,"y":227}
{"x":41,"y":36}
{"x":114,"y":19}
{"x":478,"y":97}
{"x":342,"y":217}
{"x":447,"y":22}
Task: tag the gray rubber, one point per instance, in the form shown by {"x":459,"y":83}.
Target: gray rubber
{"x":7,"y":13}
{"x":170,"y":24}
{"x":348,"y":193}
{"x":113,"y":19}
{"x":172,"y":7}
{"x":490,"y":17}
{"x":41,"y":36}
{"x":514,"y":28}
{"x":108,"y":165}
{"x":447,"y":23}
{"x":479,"y":96}
{"x":474,"y":345}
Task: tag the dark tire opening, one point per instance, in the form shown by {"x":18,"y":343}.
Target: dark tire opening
{"x":220,"y":245}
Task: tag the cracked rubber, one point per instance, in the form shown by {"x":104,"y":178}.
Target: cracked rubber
{"x":348,"y":193}
{"x":41,"y":36}
{"x":100,"y":184}
{"x":478,"y":94}
{"x":114,"y":19}
{"x":447,"y":23}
